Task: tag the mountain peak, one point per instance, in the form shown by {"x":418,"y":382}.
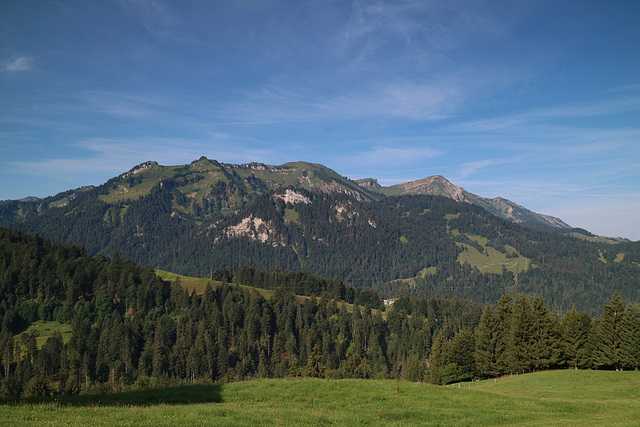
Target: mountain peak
{"x":437,"y":185}
{"x":139,"y":168}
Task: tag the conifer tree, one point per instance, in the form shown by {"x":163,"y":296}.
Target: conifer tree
{"x":630,"y":337}
{"x":6,"y":350}
{"x":315,"y":368}
{"x":501,"y":337}
{"x":461,"y":352}
{"x":545,"y":344}
{"x":606,"y":338}
{"x":485,"y":344}
{"x":437,"y":360}
{"x":575,"y":336}
{"x":519,"y":353}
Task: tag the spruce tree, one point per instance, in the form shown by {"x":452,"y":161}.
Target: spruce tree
{"x":630,"y":337}
{"x":315,"y":368}
{"x":437,"y":360}
{"x":485,"y":344}
{"x":607,"y":335}
{"x":519,"y":353}
{"x":575,"y":336}
{"x":502,"y":316}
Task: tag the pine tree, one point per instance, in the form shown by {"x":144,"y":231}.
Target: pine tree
{"x":545,"y":344}
{"x":607,"y":335}
{"x":461,"y":352}
{"x":519,"y":353}
{"x":485,"y":344}
{"x":501,"y":337}
{"x":575,"y":336}
{"x":315,"y":368}
{"x":6,"y":350}
{"x":630,"y":337}
{"x":437,"y":360}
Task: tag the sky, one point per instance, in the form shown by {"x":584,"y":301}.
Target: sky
{"x":534,"y":101}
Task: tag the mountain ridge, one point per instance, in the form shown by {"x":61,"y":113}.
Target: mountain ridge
{"x":437,"y":185}
{"x":193,"y":218}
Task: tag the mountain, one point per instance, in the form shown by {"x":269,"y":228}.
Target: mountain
{"x":196,"y":218}
{"x":439,"y":186}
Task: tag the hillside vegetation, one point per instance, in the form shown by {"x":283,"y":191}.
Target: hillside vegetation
{"x":129,"y":329}
{"x":545,"y":398}
{"x":196,"y":218}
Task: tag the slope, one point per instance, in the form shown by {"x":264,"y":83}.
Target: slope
{"x":439,"y":186}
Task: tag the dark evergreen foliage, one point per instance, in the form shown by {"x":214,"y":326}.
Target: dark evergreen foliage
{"x":131,"y":329}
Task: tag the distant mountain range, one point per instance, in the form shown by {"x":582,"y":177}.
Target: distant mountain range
{"x":423,"y":236}
{"x":439,"y":186}
{"x":258,"y":178}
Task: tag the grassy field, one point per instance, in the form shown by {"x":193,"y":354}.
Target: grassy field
{"x":44,"y":329}
{"x":199,"y":285}
{"x":492,"y":260}
{"x":545,"y":398}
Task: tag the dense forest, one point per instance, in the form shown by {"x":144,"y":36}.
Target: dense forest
{"x":131,"y":330}
{"x":375,"y":243}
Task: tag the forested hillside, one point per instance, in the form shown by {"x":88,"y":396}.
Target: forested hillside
{"x":131,"y":330}
{"x":197,"y":218}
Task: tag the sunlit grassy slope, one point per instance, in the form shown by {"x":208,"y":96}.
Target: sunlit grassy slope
{"x":545,"y":398}
{"x":44,"y":329}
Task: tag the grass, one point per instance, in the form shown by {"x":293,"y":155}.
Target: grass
{"x":200,"y":284}
{"x":44,"y":329}
{"x":492,"y":260}
{"x":545,"y":398}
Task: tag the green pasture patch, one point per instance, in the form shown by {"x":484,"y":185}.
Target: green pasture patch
{"x":43,"y":329}
{"x":122,"y":191}
{"x":428,"y":271}
{"x":601,"y":257}
{"x":545,"y":398}
{"x":492,"y":260}
{"x":291,"y":216}
{"x":200,"y":284}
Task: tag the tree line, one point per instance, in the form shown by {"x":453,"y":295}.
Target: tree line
{"x":131,"y":330}
{"x":370,"y":244}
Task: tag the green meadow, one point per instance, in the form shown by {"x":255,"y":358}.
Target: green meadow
{"x":43,"y":329}
{"x":546,"y":398}
{"x":492,"y":260}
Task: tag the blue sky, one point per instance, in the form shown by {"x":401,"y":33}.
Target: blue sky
{"x":535,"y":101}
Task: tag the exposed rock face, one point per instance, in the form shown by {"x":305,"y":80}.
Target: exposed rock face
{"x":370,"y":184}
{"x":252,"y":227}
{"x":141,"y":167}
{"x":291,"y":196}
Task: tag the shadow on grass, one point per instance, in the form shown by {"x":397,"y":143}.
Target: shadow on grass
{"x":180,"y":395}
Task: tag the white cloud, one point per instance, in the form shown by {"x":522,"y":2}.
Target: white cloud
{"x":398,"y":99}
{"x":470,"y":168}
{"x":20,"y":63}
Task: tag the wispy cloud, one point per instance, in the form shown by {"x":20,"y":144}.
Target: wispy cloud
{"x":159,"y":20}
{"x":397,"y":99}
{"x":606,"y":107}
{"x":107,"y":157}
{"x":123,"y":105}
{"x":20,"y":63}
